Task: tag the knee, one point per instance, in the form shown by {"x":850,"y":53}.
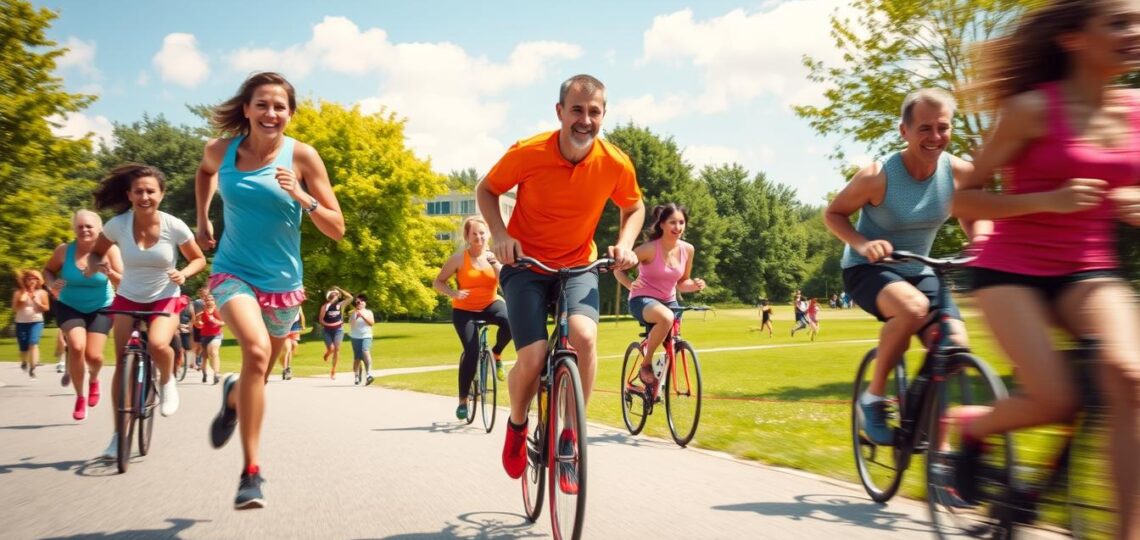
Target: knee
{"x":160,"y":350}
{"x":584,"y":338}
{"x":668,"y":317}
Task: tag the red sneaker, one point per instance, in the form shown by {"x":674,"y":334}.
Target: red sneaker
{"x":514,"y":450}
{"x":93,"y":393}
{"x":567,"y":471}
{"x":80,"y":408}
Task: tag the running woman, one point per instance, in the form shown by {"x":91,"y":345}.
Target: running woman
{"x":564,"y":179}
{"x":149,"y":242}
{"x":78,"y":299}
{"x":268,"y":183}
{"x":475,"y":298}
{"x":331,"y":317}
{"x":291,"y":342}
{"x":1067,"y":139}
{"x":765,"y":316}
{"x":665,"y":268}
{"x":360,"y":332}
{"x":902,"y":203}
{"x":209,"y":324}
{"x":29,"y":302}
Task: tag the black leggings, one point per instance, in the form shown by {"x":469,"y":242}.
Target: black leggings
{"x":464,"y":322}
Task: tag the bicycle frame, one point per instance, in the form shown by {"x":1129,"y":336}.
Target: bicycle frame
{"x":669,"y":347}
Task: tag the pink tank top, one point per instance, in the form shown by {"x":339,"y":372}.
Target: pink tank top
{"x":659,"y":280}
{"x":1050,"y":244}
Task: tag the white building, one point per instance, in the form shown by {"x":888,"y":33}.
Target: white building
{"x":459,"y":205}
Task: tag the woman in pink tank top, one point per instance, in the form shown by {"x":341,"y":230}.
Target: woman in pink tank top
{"x":1067,"y":143}
{"x":665,"y":265}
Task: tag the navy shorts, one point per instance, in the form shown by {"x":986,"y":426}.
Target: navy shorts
{"x":864,"y":282}
{"x":529,"y":296}
{"x":1049,"y":286}
{"x":638,"y":304}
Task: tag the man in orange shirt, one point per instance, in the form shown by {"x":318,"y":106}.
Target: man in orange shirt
{"x":564,"y":179}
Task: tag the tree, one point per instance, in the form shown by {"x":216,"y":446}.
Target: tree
{"x":40,"y":174}
{"x":389,"y":249}
{"x":463,"y":181}
{"x":664,"y":177}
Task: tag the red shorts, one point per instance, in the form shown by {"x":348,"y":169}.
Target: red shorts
{"x":173,"y":304}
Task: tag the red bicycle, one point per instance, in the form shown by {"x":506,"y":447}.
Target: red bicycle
{"x":680,"y":386}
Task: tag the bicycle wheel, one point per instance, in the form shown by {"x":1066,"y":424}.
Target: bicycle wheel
{"x":567,"y":431}
{"x":634,"y":408}
{"x":1092,"y":512}
{"x":150,"y":403}
{"x":683,"y":394}
{"x":125,"y":419}
{"x":488,"y":399}
{"x":969,"y":383}
{"x":183,"y":368}
{"x":880,"y":467}
{"x":534,"y":477}
{"x":472,"y":395}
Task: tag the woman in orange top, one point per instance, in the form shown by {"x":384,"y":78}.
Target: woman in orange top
{"x":476,"y":272}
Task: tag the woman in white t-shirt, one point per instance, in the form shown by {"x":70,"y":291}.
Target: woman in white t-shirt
{"x":360,"y":332}
{"x":149,"y":242}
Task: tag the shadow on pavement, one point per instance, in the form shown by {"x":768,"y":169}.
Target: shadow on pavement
{"x":625,"y":439}
{"x":27,"y":464}
{"x":835,"y":509}
{"x":441,"y":427}
{"x":480,"y":525}
{"x":177,"y":525}
{"x":40,"y":426}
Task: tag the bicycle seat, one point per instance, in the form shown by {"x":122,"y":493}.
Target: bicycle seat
{"x":480,"y":323}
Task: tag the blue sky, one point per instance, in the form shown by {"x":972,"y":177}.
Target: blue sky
{"x":473,"y":77}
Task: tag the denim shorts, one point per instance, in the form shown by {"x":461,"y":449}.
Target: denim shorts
{"x":333,"y":336}
{"x":28,"y":334}
{"x":638,"y":305}
{"x":360,"y":346}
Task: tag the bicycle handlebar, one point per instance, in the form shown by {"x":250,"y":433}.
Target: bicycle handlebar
{"x":135,"y":314}
{"x":692,"y":308}
{"x":902,"y":256}
{"x":605,"y":262}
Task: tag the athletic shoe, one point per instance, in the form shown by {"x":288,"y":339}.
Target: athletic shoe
{"x":222,"y":428}
{"x":369,"y":380}
{"x":649,"y":379}
{"x":287,"y":374}
{"x":112,"y":451}
{"x":169,"y":395}
{"x":80,"y":408}
{"x":567,"y":471}
{"x":65,"y":379}
{"x":461,"y":412}
{"x":32,"y":372}
{"x":874,"y":419}
{"x":499,"y":369}
{"x":59,"y":368}
{"x":356,"y":379}
{"x":204,"y":376}
{"x":217,"y":378}
{"x":966,"y":464}
{"x":514,"y":450}
{"x":93,"y":393}
{"x":249,"y":494}
{"x":24,"y":366}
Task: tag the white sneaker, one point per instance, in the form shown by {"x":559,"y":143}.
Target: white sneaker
{"x":112,"y":451}
{"x":169,"y":397}
{"x":59,"y":368}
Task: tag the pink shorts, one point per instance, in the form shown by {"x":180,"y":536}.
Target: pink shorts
{"x":173,"y":304}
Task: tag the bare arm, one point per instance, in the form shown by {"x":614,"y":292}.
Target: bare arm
{"x":40,"y":299}
{"x":687,"y":283}
{"x":368,"y":317}
{"x":53,"y":268}
{"x":973,"y":228}
{"x":95,"y":257}
{"x":868,"y":186}
{"x":440,"y":284}
{"x":327,"y":217}
{"x":205,"y":185}
{"x":632,"y":218}
{"x":113,"y":266}
{"x":321,"y":314}
{"x":197,"y":262}
{"x":504,"y":247}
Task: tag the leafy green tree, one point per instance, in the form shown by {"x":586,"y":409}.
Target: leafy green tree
{"x":664,"y":177}
{"x":40,"y":174}
{"x":463,"y":180}
{"x":389,"y":248}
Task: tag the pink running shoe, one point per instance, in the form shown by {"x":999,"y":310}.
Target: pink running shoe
{"x":80,"y":409}
{"x":93,"y":393}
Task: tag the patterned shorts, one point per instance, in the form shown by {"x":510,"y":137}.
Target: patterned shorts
{"x":279,"y":321}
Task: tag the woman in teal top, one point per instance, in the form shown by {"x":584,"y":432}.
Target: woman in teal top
{"x":78,"y":300}
{"x":256,"y":278}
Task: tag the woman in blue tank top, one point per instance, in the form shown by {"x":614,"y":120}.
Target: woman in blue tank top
{"x":78,"y":299}
{"x":267,"y":182}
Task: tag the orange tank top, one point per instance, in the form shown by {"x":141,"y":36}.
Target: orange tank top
{"x":481,"y":284}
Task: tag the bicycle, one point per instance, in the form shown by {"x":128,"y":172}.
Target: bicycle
{"x":181,"y":360}
{"x":487,"y":395}
{"x":565,"y":421}
{"x":682,"y":389}
{"x":138,"y":389}
{"x":949,"y":373}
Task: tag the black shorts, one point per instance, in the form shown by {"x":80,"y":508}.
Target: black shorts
{"x":68,"y":317}
{"x":864,"y":282}
{"x":528,"y":295}
{"x":195,"y":335}
{"x":1050,"y":287}
{"x":185,"y":340}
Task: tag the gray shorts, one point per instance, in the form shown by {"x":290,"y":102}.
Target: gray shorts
{"x":530,"y":297}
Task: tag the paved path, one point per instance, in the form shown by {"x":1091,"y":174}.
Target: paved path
{"x":350,"y":462}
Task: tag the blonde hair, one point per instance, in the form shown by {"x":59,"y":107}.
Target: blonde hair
{"x":26,"y":273}
{"x":331,"y":294}
{"x":467,"y":225}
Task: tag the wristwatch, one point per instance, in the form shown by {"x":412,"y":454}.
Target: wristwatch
{"x":312,"y":207}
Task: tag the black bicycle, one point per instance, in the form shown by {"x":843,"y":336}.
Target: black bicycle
{"x":138,"y":389}
{"x":950,"y":376}
{"x":679,"y":379}
{"x":558,"y":442}
{"x":484,"y":387}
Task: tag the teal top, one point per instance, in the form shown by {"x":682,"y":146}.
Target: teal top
{"x":81,"y":293}
{"x":261,"y":242}
{"x":909,"y":216}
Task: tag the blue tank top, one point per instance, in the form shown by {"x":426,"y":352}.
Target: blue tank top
{"x":81,"y":293}
{"x":261,"y":242}
{"x":909,"y":216}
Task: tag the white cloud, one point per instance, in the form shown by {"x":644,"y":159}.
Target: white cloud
{"x":700,"y":155}
{"x":180,"y":62}
{"x":647,"y":109}
{"x":79,"y":125}
{"x":143,"y":78}
{"x":80,"y":55}
{"x":451,"y":99}
{"x":743,"y":56}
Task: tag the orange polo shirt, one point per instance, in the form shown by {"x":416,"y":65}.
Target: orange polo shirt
{"x":559,"y":203}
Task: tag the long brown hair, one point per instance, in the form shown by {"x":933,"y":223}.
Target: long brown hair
{"x":229,"y":118}
{"x":1030,"y":55}
{"x":112,"y":191}
{"x":661,"y":214}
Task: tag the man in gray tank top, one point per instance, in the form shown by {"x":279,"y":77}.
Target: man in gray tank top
{"x":902,"y":201}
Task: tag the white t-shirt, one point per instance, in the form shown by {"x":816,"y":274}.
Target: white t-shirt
{"x":144,"y":270}
{"x":358,"y":327}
